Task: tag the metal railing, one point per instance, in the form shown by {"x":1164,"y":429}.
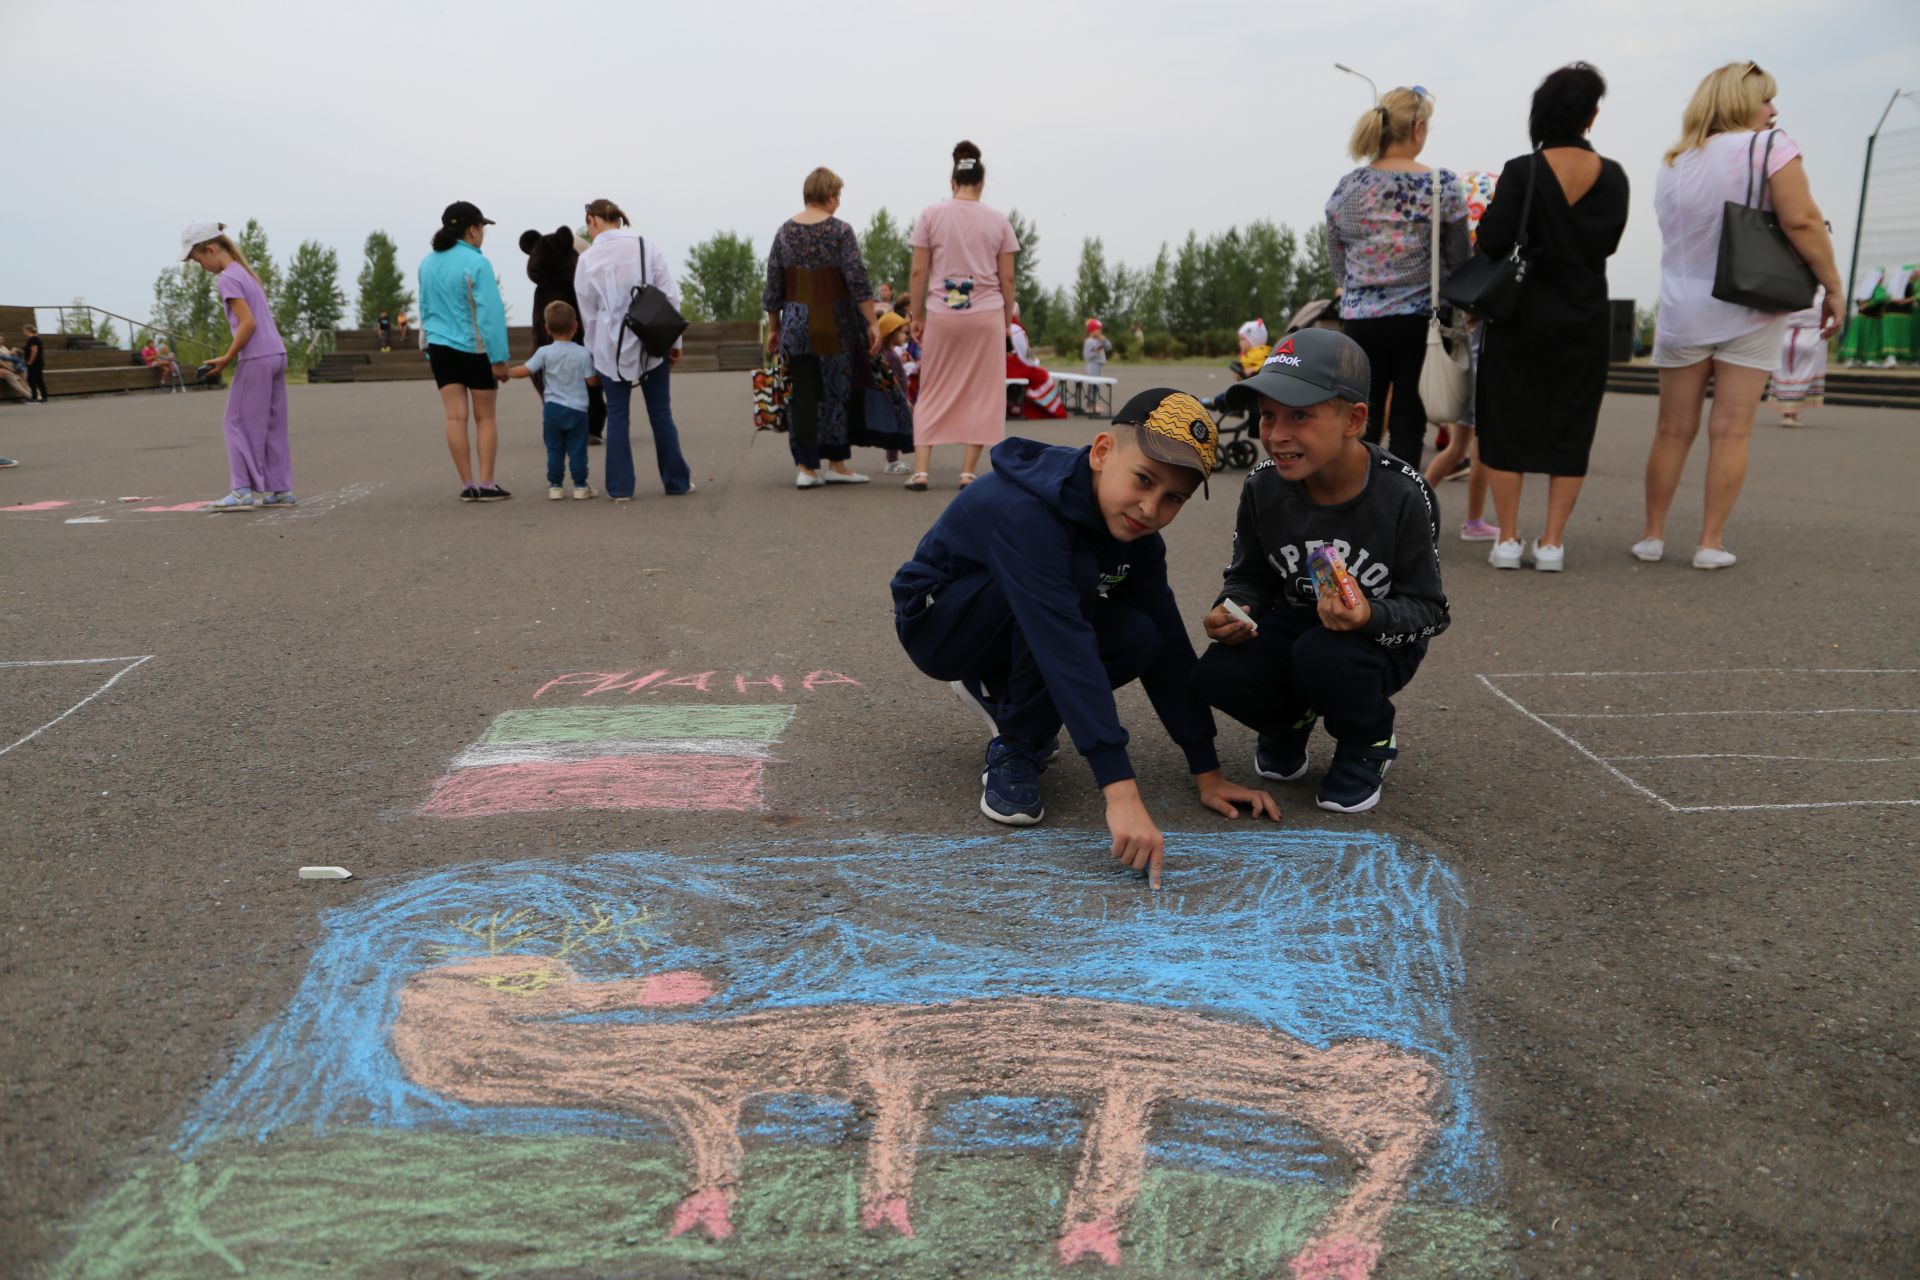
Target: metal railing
{"x":93,"y":327}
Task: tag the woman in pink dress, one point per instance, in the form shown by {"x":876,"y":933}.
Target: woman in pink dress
{"x":962,"y":286}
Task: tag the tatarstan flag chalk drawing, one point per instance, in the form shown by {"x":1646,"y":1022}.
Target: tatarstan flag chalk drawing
{"x":965,"y":1057}
{"x":652,"y":757}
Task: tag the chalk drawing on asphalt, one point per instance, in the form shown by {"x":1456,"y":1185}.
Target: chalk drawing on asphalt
{"x":963,"y":1056}
{"x":308,"y":508}
{"x":26,"y":668}
{"x":672,"y":756}
{"x":1731,"y":741}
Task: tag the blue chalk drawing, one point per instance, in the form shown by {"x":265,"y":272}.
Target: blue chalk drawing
{"x":1323,"y":935}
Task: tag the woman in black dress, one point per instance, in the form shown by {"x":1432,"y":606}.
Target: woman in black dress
{"x":1543,"y":372}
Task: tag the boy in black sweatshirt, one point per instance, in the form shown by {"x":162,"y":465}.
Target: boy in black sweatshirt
{"x":1307,"y":656}
{"x":1043,"y":588}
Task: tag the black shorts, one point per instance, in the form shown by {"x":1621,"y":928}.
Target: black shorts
{"x":467,"y":369}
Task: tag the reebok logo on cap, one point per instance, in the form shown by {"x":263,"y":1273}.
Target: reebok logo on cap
{"x":1283,"y":355}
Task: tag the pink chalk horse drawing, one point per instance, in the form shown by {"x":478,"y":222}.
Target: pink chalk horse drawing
{"x":494,"y":1032}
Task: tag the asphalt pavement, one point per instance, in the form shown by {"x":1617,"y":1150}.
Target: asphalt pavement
{"x":1679,"y":807}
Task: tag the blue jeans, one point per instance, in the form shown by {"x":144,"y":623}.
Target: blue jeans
{"x":566,"y":431}
{"x":674,"y":472}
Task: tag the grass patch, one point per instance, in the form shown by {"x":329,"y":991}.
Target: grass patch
{"x":366,"y":1203}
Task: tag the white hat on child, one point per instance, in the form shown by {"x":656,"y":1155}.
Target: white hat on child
{"x":198,"y":233}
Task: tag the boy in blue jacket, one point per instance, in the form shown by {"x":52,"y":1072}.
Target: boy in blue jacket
{"x":1043,"y":588}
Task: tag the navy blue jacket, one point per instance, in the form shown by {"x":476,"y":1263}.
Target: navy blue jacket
{"x":1034,"y":525}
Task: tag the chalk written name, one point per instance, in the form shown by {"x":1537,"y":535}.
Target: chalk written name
{"x":592,"y":683}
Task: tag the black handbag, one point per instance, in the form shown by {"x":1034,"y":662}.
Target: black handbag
{"x":1757,"y":266}
{"x":1489,"y":288}
{"x":651,"y":317}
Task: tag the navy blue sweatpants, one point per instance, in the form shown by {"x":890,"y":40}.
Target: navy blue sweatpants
{"x":969,"y":633}
{"x":1295,"y":668}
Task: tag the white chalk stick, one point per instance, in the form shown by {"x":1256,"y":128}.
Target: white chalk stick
{"x":1240,"y":614}
{"x":325,"y":873}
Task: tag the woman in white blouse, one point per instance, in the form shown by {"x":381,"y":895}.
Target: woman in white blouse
{"x":604,"y":281}
{"x":1727,"y":127}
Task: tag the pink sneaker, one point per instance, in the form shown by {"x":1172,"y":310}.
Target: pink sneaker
{"x":1479,"y":531}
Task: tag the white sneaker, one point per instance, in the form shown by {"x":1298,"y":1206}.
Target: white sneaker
{"x":1506,"y":555}
{"x":581,"y":492}
{"x":1713,"y":558}
{"x":555,"y":493}
{"x":1549,"y":559}
{"x":802,"y":480}
{"x":1649,"y":549}
{"x":898,"y":467}
{"x":843,"y":477}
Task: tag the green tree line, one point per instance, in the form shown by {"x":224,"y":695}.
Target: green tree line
{"x":1189,"y":300}
{"x":303,"y":293}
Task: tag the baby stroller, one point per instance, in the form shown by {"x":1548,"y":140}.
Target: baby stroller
{"x":1235,"y":427}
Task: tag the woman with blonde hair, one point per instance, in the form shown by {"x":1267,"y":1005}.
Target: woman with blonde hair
{"x":1380,"y":244}
{"x":820,"y":316}
{"x":256,"y":422}
{"x":1727,"y":145}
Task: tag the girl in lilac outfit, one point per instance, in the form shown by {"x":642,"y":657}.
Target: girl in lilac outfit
{"x":256,"y":422}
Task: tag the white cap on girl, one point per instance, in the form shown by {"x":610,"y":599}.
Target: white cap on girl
{"x":198,"y":233}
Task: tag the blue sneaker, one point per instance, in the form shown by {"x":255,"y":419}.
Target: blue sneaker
{"x":1010,"y":787}
{"x":1354,"y":778}
{"x":238,"y":500}
{"x":1282,"y":757}
{"x":279,"y":498}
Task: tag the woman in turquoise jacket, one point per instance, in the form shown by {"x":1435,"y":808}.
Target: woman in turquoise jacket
{"x":465,"y":326}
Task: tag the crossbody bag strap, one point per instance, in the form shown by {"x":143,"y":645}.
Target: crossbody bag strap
{"x":1433,"y":296}
{"x":1526,"y":202}
{"x":1766,"y":158}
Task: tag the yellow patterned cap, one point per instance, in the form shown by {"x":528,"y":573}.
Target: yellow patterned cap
{"x":1175,"y":429}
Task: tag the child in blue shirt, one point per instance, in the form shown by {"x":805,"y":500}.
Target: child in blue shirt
{"x":569,"y":372}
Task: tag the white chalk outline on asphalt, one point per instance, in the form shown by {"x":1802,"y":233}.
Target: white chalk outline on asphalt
{"x":319,"y":504}
{"x":131,"y":660}
{"x":1723,"y":671}
{"x":1659,"y":715}
{"x":1620,"y":775}
{"x":1747,"y":755}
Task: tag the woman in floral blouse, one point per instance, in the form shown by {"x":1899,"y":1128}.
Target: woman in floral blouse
{"x":1380,"y":240}
{"x":820,"y":312}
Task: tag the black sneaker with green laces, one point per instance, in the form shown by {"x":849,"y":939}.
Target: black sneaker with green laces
{"x":1354,"y":778}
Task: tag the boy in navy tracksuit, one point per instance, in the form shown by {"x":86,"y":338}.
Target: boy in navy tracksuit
{"x":1043,"y":588}
{"x":1310,"y":656}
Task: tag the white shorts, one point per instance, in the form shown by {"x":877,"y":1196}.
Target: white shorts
{"x":1759,"y":349}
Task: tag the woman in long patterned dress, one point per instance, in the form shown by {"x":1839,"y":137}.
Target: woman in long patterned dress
{"x":820,"y":315}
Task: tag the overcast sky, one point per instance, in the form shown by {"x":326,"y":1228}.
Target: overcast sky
{"x":1130,"y":121}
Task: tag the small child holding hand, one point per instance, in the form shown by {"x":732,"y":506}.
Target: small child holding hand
{"x":568,"y":370}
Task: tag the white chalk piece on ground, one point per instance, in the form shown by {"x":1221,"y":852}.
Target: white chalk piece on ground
{"x":88,"y":520}
{"x":136,"y":499}
{"x":325,"y":873}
